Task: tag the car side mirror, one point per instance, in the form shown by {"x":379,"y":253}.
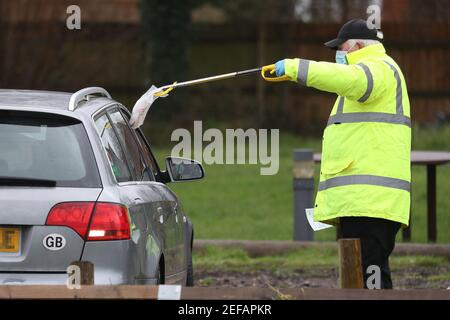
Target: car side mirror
{"x":181,"y":169}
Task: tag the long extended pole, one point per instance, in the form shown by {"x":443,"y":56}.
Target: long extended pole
{"x":210,"y":79}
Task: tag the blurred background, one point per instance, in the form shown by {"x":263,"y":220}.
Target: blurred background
{"x":127,"y":45}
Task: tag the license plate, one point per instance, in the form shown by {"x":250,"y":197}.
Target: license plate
{"x":9,"y":239}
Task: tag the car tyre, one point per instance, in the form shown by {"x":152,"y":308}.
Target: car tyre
{"x":190,"y":271}
{"x":160,"y":274}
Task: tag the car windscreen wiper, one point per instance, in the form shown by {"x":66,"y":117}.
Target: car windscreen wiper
{"x":26,"y":182}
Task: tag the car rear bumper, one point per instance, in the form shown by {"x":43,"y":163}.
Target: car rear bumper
{"x":101,"y":278}
{"x":33,"y":278}
{"x":115,"y":263}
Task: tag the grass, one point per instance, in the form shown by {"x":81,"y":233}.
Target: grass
{"x":239,"y":260}
{"x":440,"y":277}
{"x":236,"y":202}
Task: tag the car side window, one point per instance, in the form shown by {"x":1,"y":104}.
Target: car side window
{"x":128,"y":141}
{"x":146,"y":153}
{"x":148,"y":157}
{"x":113,"y":149}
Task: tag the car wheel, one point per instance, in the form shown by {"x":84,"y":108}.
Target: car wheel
{"x":158,"y":279}
{"x":190,"y":271}
{"x":160,"y":274}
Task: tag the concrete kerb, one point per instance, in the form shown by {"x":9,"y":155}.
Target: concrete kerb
{"x":261,"y":248}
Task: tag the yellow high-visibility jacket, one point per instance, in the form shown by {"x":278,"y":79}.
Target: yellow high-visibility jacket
{"x":366,"y":150}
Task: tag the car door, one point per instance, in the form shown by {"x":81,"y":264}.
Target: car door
{"x":155,"y":207}
{"x":125,"y":166}
{"x":173,"y":204}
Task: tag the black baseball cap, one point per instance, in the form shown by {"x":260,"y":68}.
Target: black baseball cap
{"x":354,"y":29}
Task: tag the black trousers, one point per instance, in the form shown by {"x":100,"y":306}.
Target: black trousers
{"x":377,"y":238}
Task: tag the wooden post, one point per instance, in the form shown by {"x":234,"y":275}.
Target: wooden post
{"x":86,"y":271}
{"x":350,"y":264}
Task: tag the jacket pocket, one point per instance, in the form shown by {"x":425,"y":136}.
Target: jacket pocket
{"x":335,"y":166}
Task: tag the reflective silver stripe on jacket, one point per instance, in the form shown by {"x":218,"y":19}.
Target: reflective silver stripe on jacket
{"x":302,"y":74}
{"x":340,"y":107}
{"x":399,"y":93}
{"x":365,"y":179}
{"x":369,"y":117}
{"x":369,"y":82}
{"x":354,"y":117}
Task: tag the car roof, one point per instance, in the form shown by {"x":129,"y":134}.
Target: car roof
{"x":53,"y":101}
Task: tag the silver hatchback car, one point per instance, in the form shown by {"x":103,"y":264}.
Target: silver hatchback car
{"x":77,"y":183}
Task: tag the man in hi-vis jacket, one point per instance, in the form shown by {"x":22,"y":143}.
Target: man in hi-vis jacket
{"x":365,"y":173}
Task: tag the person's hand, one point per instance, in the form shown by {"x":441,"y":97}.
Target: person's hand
{"x":279,"y":68}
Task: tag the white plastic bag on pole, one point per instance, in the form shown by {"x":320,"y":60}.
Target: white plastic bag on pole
{"x":142,"y":106}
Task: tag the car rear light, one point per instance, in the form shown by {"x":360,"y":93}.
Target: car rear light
{"x":109,"y":222}
{"x":75,"y":215}
{"x":92,"y":221}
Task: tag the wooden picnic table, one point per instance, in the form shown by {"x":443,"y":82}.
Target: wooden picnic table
{"x":430,"y":159}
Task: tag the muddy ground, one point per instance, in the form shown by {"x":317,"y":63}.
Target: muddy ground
{"x":409,"y":278}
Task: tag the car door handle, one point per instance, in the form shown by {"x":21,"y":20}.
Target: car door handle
{"x":161,"y":215}
{"x":175,"y":210}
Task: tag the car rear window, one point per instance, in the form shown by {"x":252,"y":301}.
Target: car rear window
{"x":36,"y":145}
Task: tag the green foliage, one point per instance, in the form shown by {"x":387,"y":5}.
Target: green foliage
{"x":166,"y":32}
{"x":437,"y":138}
{"x":251,"y":10}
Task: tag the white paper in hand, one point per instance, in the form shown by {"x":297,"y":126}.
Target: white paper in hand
{"x":141,"y":107}
{"x":315,"y":225}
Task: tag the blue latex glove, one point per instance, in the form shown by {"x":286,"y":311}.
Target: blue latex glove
{"x":279,"y":68}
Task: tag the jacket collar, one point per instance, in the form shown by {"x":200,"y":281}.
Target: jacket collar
{"x":374,"y":50}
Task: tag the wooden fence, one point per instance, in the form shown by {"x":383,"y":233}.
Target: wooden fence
{"x":212,"y":293}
